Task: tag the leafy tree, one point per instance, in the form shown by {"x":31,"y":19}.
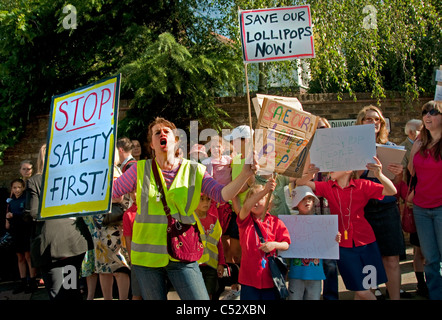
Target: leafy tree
{"x":390,"y":45}
{"x":39,"y":58}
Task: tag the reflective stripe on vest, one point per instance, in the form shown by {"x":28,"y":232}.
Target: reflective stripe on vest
{"x":210,"y":243}
{"x":149,"y":240}
{"x":237,"y":165}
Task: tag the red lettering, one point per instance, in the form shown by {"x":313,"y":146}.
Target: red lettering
{"x":84,"y":106}
{"x":103,"y":103}
{"x":76,"y":108}
{"x":268,"y":115}
{"x":65,"y":114}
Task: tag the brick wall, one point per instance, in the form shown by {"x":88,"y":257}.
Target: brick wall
{"x":325,"y":105}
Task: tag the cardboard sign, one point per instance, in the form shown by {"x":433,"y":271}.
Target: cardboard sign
{"x":283,"y":137}
{"x":386,"y":155}
{"x":312,"y":236}
{"x":276,"y":34}
{"x":290,"y":101}
{"x":78,"y":173}
{"x":344,"y":148}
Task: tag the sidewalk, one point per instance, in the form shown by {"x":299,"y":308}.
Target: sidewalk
{"x":408,"y":285}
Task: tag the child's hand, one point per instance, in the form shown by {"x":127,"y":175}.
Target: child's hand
{"x":270,"y":185}
{"x":9,"y":215}
{"x":268,"y":246}
{"x":338,"y":237}
{"x":375,"y":167}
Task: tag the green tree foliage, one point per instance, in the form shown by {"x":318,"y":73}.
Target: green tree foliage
{"x":171,"y":61}
{"x":391,"y":45}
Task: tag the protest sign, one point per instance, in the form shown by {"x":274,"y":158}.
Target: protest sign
{"x":259,"y":99}
{"x":78,"y":172}
{"x":387,"y":155}
{"x":273,"y":34}
{"x":344,"y":148}
{"x":312,"y":236}
{"x":283,"y":137}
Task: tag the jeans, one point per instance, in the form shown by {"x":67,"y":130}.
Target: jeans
{"x":186,"y":278}
{"x":429,"y":230}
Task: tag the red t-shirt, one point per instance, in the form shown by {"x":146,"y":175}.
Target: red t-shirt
{"x":429,"y":180}
{"x":355,"y":196}
{"x":128,"y":220}
{"x":252,"y":272}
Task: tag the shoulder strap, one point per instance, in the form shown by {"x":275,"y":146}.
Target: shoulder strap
{"x":160,"y":186}
{"x":258,"y":231}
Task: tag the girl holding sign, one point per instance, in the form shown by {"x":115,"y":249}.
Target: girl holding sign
{"x":254,"y":275}
{"x":360,"y":262}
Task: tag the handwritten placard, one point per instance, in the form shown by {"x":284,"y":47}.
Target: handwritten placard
{"x":78,"y":174}
{"x":272,"y":34}
{"x":312,"y":236}
{"x":283,"y":137}
{"x":344,"y":148}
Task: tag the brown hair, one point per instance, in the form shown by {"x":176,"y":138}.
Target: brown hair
{"x":158,"y":120}
{"x":125,"y":143}
{"x":425,"y":136}
{"x":382,"y":136}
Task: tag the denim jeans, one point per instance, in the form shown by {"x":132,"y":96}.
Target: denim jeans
{"x":429,"y":230}
{"x":186,"y":278}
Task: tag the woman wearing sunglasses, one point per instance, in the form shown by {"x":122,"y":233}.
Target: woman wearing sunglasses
{"x":426,"y":164}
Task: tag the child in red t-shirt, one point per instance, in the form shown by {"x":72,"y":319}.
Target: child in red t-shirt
{"x":360,"y":261}
{"x":254,"y":275}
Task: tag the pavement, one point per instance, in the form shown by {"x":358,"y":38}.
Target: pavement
{"x":408,"y":285}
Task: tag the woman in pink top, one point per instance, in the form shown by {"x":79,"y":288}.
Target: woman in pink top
{"x":426,"y":163}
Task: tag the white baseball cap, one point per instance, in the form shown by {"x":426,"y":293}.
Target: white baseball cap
{"x":242,"y":131}
{"x":297,"y":194}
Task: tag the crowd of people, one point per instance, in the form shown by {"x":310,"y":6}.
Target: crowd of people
{"x":220,"y":195}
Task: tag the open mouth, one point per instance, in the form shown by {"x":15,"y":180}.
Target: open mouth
{"x":163,"y":141}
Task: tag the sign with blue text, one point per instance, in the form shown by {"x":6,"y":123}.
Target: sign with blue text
{"x":274,"y":34}
{"x":78,"y":173}
{"x":343,"y":148}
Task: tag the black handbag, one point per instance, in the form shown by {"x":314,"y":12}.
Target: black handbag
{"x":278,"y":268}
{"x":115,"y":217}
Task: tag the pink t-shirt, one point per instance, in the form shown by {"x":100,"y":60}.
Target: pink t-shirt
{"x":429,"y":181}
{"x":219,"y":169}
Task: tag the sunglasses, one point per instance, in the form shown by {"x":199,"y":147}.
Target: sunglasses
{"x":432,"y":112}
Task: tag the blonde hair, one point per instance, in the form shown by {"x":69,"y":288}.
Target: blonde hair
{"x":255,"y":188}
{"x":382,"y":136}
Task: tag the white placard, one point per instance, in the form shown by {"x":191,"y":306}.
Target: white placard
{"x":312,"y":236}
{"x":344,"y":148}
{"x":273,"y":34}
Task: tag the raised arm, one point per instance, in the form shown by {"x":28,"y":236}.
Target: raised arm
{"x":389,"y":188}
{"x":308,"y":176}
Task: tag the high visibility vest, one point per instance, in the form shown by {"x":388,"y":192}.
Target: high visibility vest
{"x":237,"y":165}
{"x":149,"y":235}
{"x":210,"y":243}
